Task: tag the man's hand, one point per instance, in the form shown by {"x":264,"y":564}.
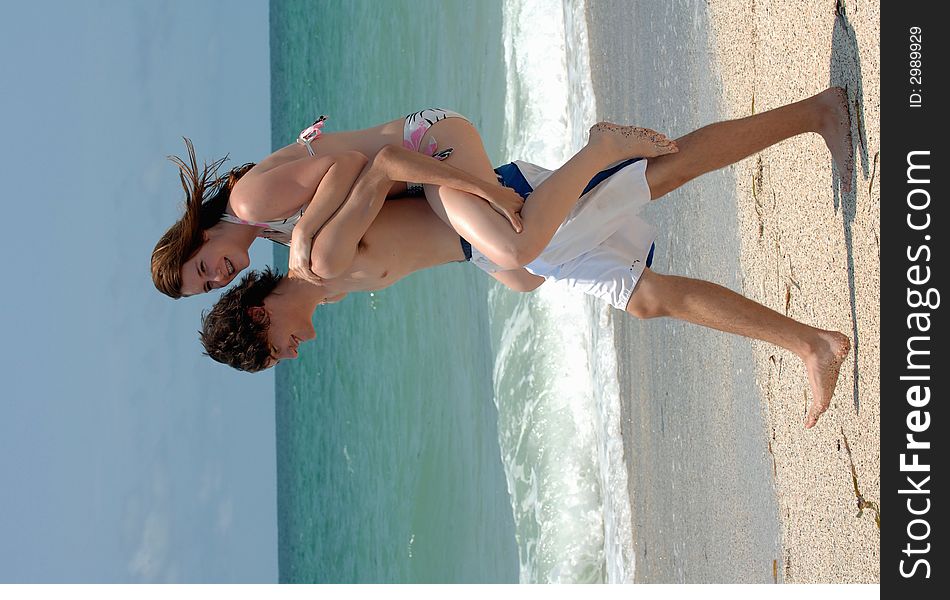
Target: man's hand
{"x":507,"y":203}
{"x":298,"y":263}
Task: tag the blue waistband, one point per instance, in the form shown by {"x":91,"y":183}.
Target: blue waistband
{"x":466,"y":248}
{"x":510,"y":175}
{"x":607,"y":173}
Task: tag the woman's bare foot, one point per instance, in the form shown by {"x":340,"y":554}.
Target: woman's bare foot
{"x":823,"y":365}
{"x":622,"y":141}
{"x":835,"y":127}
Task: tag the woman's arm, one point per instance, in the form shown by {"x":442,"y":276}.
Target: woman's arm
{"x":280,"y":192}
{"x":401,"y":164}
{"x":321,"y":183}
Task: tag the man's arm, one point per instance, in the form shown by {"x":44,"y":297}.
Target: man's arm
{"x":330,"y":194}
{"x":335,"y":245}
{"x":328,"y":198}
{"x":518,"y":280}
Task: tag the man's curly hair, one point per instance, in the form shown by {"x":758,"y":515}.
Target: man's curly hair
{"x":230,"y":334}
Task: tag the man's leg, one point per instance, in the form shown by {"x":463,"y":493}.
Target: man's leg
{"x":714,"y":306}
{"x":549,"y":204}
{"x":720,"y":144}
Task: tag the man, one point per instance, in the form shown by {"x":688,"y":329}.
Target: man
{"x":265,"y":318}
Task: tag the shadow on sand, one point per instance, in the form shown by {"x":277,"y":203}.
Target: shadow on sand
{"x":845,"y":71}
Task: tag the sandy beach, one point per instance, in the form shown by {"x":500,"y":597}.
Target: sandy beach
{"x":726,"y":484}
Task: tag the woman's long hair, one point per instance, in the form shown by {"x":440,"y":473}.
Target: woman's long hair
{"x":206,"y":197}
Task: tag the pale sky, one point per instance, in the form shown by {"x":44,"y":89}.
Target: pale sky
{"x":125,"y":455}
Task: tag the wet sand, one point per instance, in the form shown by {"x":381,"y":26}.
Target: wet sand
{"x":726,"y":485}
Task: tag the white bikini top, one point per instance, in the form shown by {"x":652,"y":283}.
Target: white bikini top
{"x":278,"y":230}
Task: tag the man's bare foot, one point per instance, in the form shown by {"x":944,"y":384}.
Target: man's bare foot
{"x":823,"y":365}
{"x":622,"y":141}
{"x":835,"y":127}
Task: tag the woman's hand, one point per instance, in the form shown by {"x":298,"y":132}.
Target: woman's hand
{"x":507,"y":203}
{"x":298,"y":263}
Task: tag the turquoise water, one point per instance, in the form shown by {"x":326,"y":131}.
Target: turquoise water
{"x":446,"y":429}
{"x":388,"y":461}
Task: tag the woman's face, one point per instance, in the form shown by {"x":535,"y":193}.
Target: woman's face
{"x":215,"y":264}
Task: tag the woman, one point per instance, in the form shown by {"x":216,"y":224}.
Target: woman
{"x":289,"y":195}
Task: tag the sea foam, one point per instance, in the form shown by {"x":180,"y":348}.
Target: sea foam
{"x":555,"y":368}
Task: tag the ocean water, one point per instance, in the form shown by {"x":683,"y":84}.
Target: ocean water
{"x":446,"y":429}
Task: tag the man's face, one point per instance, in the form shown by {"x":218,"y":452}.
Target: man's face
{"x":215,"y":264}
{"x":291,"y":324}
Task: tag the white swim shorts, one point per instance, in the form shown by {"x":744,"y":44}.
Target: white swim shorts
{"x":603,"y":245}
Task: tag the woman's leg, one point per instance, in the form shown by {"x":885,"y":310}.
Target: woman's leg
{"x":721,"y":144}
{"x":548,"y":205}
{"x":714,"y":306}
